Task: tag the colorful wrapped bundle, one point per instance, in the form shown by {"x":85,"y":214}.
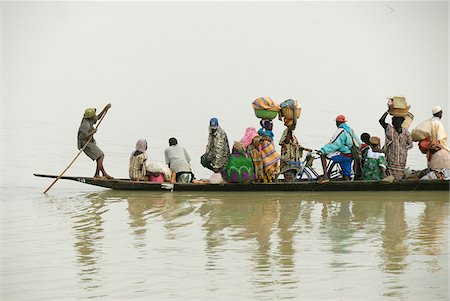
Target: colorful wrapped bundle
{"x":398,"y":106}
{"x":288,"y":107}
{"x":265,"y":108}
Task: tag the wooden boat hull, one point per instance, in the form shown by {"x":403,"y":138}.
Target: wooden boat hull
{"x":126,"y":184}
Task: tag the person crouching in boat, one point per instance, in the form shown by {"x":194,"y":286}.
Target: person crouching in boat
{"x":436,"y":149}
{"x":375,"y":165}
{"x":239,"y":168}
{"x":341,"y":142}
{"x":85,"y":131}
{"x":217,"y":149}
{"x":178,"y":160}
{"x":137,"y":169}
{"x":397,"y":143}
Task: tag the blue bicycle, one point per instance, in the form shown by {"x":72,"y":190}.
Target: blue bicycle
{"x":304,"y":170}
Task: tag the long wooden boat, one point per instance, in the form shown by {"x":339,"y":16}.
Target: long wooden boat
{"x":126,"y":184}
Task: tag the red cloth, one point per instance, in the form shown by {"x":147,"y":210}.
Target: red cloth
{"x":157,"y":179}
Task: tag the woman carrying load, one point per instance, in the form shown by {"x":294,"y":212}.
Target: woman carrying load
{"x":290,"y":149}
{"x":397,"y":143}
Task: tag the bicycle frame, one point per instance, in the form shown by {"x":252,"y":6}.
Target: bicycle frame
{"x":304,"y":170}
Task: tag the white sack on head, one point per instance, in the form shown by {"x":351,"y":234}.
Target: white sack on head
{"x":158,"y":167}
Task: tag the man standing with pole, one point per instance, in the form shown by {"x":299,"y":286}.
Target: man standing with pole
{"x":86,"y":141}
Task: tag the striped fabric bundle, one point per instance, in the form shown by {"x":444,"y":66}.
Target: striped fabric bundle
{"x":271,"y":159}
{"x":265,"y":103}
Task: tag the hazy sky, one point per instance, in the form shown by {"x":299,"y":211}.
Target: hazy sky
{"x":168,"y":67}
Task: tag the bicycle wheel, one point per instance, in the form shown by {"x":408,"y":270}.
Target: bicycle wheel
{"x":309,"y":173}
{"x":289,"y":174}
{"x":334,"y":171}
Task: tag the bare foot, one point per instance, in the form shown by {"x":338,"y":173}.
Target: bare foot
{"x":323,"y":180}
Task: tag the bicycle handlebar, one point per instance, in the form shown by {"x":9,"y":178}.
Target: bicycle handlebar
{"x":310,"y":150}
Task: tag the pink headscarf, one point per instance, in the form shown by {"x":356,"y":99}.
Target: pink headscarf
{"x":250,"y":133}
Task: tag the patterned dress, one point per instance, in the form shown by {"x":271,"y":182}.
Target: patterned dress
{"x":266,"y":159}
{"x":396,"y":148}
{"x":289,"y":151}
{"x":257,"y":162}
{"x":137,"y":168}
{"x":218,"y":149}
{"x":373,"y":166}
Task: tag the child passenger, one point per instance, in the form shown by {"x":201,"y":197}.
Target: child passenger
{"x":374,"y":168}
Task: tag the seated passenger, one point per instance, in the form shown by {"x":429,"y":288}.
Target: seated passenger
{"x":365,"y":146}
{"x":240,"y":166}
{"x":374,"y":168}
{"x":137,"y":168}
{"x":339,"y":148}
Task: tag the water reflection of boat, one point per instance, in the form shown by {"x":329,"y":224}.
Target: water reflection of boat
{"x":126,"y":184}
{"x":277,"y":237}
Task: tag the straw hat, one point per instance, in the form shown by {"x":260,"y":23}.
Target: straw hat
{"x":374,"y":140}
{"x":89,"y":112}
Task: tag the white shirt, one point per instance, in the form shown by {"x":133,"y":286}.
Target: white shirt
{"x":177,"y":158}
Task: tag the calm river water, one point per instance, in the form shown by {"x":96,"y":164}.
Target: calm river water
{"x":110,"y":245}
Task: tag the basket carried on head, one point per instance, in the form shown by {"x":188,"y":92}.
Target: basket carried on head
{"x":265,"y":108}
{"x":398,"y":107}
{"x":408,"y":120}
{"x":290,"y":107}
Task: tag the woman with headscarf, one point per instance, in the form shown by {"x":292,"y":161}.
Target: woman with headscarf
{"x":137,"y":168}
{"x":217,"y":149}
{"x":397,"y":143}
{"x":266,"y":159}
{"x":266,"y":128}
